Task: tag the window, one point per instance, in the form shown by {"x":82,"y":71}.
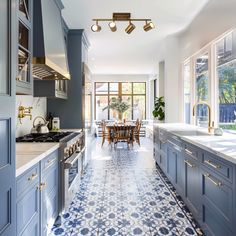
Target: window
{"x":133,"y":93}
{"x":226,"y":74}
{"x":187,"y":92}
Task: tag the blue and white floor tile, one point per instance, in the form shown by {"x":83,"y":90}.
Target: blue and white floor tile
{"x":123,"y":193}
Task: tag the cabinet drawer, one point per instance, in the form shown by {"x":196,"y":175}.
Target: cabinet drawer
{"x":190,"y":150}
{"x":27,"y":179}
{"x":27,"y":208}
{"x":50,"y":161}
{"x":216,"y":192}
{"x":163,"y":146}
{"x":222,"y":168}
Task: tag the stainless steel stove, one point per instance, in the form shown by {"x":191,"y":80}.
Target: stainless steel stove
{"x":71,"y":158}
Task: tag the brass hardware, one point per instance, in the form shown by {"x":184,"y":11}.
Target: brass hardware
{"x":33,"y":176}
{"x":218,"y":184}
{"x":210,"y":122}
{"x":122,"y":16}
{"x":50,"y":162}
{"x":209,"y":162}
{"x":23,"y":112}
{"x":41,"y":186}
{"x":189,"y":152}
{"x":189,"y":164}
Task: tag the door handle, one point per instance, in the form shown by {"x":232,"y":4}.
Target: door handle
{"x":189,"y":164}
{"x":208,"y":176}
{"x":210,"y":163}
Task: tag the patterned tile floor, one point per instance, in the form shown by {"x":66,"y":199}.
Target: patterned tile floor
{"x":124,"y":193}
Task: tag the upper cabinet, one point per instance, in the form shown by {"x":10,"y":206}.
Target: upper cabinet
{"x":24,"y":79}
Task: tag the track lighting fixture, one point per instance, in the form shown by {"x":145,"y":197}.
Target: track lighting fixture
{"x":122,"y":17}
{"x":112,"y":26}
{"x":96,"y":27}
{"x":148,"y":26}
{"x":130,"y":28}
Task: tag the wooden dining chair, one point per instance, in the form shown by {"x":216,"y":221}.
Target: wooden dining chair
{"x":104,"y":132}
{"x":122,"y":133}
{"x":136,"y":133}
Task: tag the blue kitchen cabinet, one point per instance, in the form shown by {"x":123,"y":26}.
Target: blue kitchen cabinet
{"x":49,"y":197}
{"x":171,"y":164}
{"x":28,"y":202}
{"x":7,"y":117}
{"x":37,"y":197}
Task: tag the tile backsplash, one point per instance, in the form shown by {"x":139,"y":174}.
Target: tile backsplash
{"x":39,"y":109}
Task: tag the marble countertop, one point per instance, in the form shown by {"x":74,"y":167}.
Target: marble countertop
{"x":223,"y":146}
{"x":28,"y":154}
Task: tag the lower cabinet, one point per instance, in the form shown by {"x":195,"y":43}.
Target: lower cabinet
{"x":37,"y":198}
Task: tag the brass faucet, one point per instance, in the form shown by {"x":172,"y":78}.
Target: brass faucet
{"x":23,"y":112}
{"x":210,"y":122}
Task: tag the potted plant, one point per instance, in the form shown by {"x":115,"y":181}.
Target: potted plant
{"x":118,"y":105}
{"x":159,"y":108}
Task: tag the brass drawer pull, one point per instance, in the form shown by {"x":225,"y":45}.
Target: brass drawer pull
{"x":50,"y":162}
{"x":218,"y":184}
{"x":42,"y":186}
{"x":209,"y":162}
{"x":32,"y":177}
{"x":189,"y":164}
{"x":189,"y":152}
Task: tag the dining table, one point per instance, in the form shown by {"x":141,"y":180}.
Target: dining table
{"x":110,"y":128}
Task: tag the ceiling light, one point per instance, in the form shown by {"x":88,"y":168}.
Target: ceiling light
{"x":148,"y":26}
{"x":130,"y":28}
{"x":96,"y":27}
{"x":112,"y":26}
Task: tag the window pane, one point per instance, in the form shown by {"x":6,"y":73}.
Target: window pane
{"x":101,"y":88}
{"x":126,"y":88}
{"x":139,"y":103}
{"x":202,"y":88}
{"x":128,"y":114}
{"x":114,"y":115}
{"x":226,"y":71}
{"x":113,"y":88}
{"x":187,"y":91}
{"x":139,"y":88}
{"x":101,"y":103}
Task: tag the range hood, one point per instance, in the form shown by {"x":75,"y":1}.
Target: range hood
{"x":49,"y":47}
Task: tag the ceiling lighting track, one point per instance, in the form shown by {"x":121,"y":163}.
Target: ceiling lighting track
{"x":122,"y":17}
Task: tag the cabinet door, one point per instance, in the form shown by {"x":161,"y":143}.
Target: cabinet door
{"x":180,"y":174}
{"x":192,"y":185}
{"x":7,"y":117}
{"x":28,"y":210}
{"x":49,"y":198}
{"x":171,"y":164}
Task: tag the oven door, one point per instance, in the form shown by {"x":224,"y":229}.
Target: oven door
{"x":72,"y":175}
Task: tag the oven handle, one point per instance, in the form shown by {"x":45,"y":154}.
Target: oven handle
{"x":71,"y":160}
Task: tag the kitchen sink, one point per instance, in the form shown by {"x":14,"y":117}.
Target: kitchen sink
{"x":191,"y":133}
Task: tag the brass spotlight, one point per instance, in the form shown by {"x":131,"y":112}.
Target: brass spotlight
{"x":96,"y":27}
{"x":130,"y":28}
{"x":112,"y":26}
{"x":148,"y":26}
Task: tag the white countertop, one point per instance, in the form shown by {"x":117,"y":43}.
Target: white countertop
{"x":223,"y":146}
{"x":28,"y":154}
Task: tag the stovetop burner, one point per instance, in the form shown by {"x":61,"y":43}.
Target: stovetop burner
{"x":47,"y":138}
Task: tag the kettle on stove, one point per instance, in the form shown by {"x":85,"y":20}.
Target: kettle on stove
{"x":41,"y":127}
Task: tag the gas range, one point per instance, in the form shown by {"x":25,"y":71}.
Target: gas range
{"x":48,"y":137}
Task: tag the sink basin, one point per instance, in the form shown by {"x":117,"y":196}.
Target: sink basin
{"x":191,"y":133}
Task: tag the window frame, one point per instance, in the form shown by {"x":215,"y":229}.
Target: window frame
{"x":120,"y":94}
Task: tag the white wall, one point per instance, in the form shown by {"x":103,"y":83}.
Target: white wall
{"x":128,"y":78}
{"x":39,"y":109}
{"x":215,"y":18}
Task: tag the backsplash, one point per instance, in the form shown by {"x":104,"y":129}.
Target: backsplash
{"x":39,"y":109}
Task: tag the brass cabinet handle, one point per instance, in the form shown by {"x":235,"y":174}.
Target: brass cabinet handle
{"x":50,"y":162}
{"x":42,"y":186}
{"x":32,"y":177}
{"x":189,"y":152}
{"x":218,"y":184}
{"x":189,"y":164}
{"x":210,"y":163}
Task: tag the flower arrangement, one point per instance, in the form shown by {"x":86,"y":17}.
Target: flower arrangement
{"x":118,"y":105}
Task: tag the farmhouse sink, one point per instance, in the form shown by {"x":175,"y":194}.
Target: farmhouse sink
{"x":191,"y":133}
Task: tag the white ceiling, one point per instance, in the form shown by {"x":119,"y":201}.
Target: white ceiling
{"x":137,"y":53}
